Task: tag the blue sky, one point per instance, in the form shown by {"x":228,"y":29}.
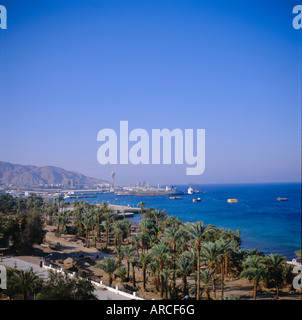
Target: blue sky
{"x":72,"y":68}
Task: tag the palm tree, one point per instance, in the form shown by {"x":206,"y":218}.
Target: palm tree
{"x":97,"y":213}
{"x":87,"y":221}
{"x":133,"y":263}
{"x":118,"y":230}
{"x":144,"y":239}
{"x":109,"y":265}
{"x":78,"y":222}
{"x":172,"y":235}
{"x":122,"y":272}
{"x":255,"y":271}
{"x":210,"y":253}
{"x":275,"y":264}
{"x":120,"y":252}
{"x":141,"y":204}
{"x":128,"y":252}
{"x":59,"y":198}
{"x":153,"y":266}
{"x":58,"y":223}
{"x":147,"y":226}
{"x":223,"y":247}
{"x":160,"y":253}
{"x":197,"y":230}
{"x":107,"y":226}
{"x":205,"y":278}
{"x":165,"y":274}
{"x":144,"y":260}
{"x":184,"y":267}
{"x":24,"y":282}
{"x":234,"y":238}
{"x":135,"y":240}
{"x":158,"y":215}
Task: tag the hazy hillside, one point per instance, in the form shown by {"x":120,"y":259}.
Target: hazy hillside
{"x":28,"y":175}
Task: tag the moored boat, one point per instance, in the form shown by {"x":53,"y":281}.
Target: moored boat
{"x":282,"y":199}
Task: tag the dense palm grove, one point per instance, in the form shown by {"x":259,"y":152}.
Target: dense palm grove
{"x":171,"y":257}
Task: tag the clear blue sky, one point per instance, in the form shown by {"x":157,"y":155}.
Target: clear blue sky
{"x":71,"y":68}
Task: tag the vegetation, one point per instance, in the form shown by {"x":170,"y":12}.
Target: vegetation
{"x":63,"y":287}
{"x":174,"y":258}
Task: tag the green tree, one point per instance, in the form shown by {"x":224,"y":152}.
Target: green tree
{"x":275,"y":264}
{"x":197,"y":230}
{"x":60,"y":286}
{"x":122,"y":273}
{"x":210,"y":253}
{"x":255,"y":271}
{"x":142,"y":205}
{"x":23,"y":282}
{"x":184,"y":268}
{"x":144,"y":260}
{"x":109,"y":265}
{"x":160,"y":253}
{"x":205,"y":278}
{"x":128,"y":252}
{"x":107,"y":227}
{"x":133,"y":263}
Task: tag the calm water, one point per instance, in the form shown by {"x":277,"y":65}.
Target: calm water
{"x":267,"y":224}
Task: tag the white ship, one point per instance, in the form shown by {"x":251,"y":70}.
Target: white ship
{"x":190,"y":190}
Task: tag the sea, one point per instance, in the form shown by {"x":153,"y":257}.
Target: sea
{"x":266,"y":224}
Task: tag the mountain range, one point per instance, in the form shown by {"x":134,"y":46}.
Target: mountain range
{"x":29,"y":175}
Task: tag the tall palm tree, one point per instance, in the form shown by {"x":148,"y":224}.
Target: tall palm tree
{"x":160,"y":253}
{"x":158,"y":215}
{"x":59,"y":198}
{"x":224,"y":248}
{"x":172,"y":236}
{"x":87,"y":221}
{"x":147,"y":226}
{"x":166,"y":274}
{"x":135,"y":240}
{"x":118,"y":230}
{"x":98,"y":213}
{"x":144,"y":260}
{"x":120,"y":252}
{"x":275,"y":264}
{"x":78,"y":222}
{"x":133,"y":263}
{"x":210,"y":253}
{"x":141,"y":204}
{"x":184,"y":267}
{"x":197,"y":230}
{"x":205,"y":278}
{"x":255,"y":271}
{"x":128,"y":252}
{"x":153,"y":266}
{"x":107,"y":226}
{"x":109,"y":265}
{"x":145,"y":240}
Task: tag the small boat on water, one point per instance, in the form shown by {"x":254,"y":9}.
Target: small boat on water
{"x":174,"y":198}
{"x":282,"y":199}
{"x":190,"y":190}
{"x":196,"y":200}
{"x":232,"y":200}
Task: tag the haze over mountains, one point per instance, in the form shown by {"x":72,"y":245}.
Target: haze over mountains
{"x":29,"y":175}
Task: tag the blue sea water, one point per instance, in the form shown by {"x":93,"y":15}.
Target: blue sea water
{"x":269,"y":225}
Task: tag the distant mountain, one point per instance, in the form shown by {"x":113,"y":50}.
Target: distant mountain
{"x":28,"y":175}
